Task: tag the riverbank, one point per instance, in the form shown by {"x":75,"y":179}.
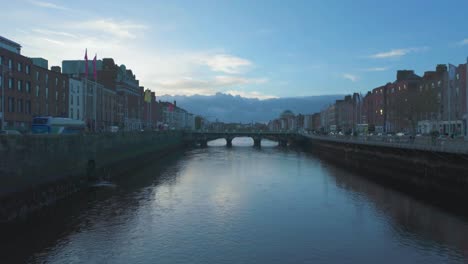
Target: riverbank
{"x":36,"y":171}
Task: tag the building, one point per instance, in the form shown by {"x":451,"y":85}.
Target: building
{"x":345,"y":114}
{"x":29,"y":88}
{"x":76,"y":99}
{"x":373,"y":106}
{"x":15,"y":83}
{"x":404,"y":104}
{"x":99,"y":104}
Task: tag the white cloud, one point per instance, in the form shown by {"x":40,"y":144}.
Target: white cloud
{"x":122,"y":30}
{"x":210,"y":85}
{"x":53,"y":41}
{"x":226,"y":63}
{"x":396,"y":53}
{"x":159,"y":69}
{"x":48,"y":5}
{"x":463,"y":42}
{"x":351,"y":77}
{"x":375,"y":69}
{"x":54,"y":33}
{"x":251,"y":94}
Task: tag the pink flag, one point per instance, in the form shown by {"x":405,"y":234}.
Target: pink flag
{"x":94,"y":67}
{"x":86,"y":62}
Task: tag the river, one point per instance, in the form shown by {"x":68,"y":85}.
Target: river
{"x":239,"y":205}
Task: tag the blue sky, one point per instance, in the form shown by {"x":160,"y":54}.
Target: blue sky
{"x":252,"y":48}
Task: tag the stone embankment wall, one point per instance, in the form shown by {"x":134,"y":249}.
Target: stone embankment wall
{"x":38,"y":170}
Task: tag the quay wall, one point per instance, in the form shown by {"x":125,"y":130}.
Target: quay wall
{"x":38,"y":170}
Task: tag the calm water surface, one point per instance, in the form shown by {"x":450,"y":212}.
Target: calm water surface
{"x":239,"y":205}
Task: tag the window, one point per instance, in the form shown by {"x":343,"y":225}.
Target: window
{"x":393,"y":90}
{"x":71,"y":113}
{"x":77,"y":114}
{"x":1,"y":60}
{"x":56,"y":81}
{"x":20,"y":106}
{"x":458,"y":76}
{"x":10,"y":63}
{"x":27,"y":69}
{"x":11,"y":104}
{"x":433,"y":85}
{"x":78,"y":100}
{"x":37,"y":90}
{"x":20,"y":84}
{"x":404,"y":86}
{"x":47,"y":78}
{"x":10,"y":83}
{"x":399,"y":88}
{"x":47,"y":93}
{"x":63,"y":84}
{"x":20,"y":67}
{"x":1,"y":80}
{"x":27,"y":107}
{"x":28,"y":87}
{"x":71,"y":100}
{"x":56,"y":96}
{"x":37,"y":76}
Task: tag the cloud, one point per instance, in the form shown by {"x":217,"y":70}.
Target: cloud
{"x":53,"y":41}
{"x":463,"y":42}
{"x":351,"y":77}
{"x":54,"y":33}
{"x":122,"y":30}
{"x":396,"y":53}
{"x":162,"y":70}
{"x":226,"y":63}
{"x":375,"y":69}
{"x":212,"y":84}
{"x":48,"y":5}
{"x":251,"y":94}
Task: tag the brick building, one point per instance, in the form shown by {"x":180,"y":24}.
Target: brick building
{"x":30,"y":88}
{"x":373,"y":107}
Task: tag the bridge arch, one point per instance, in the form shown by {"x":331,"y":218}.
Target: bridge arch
{"x":202,"y":138}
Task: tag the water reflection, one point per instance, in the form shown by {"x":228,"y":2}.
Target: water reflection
{"x":239,"y":205}
{"x":410,"y":219}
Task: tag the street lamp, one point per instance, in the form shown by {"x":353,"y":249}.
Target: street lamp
{"x":2,"y":84}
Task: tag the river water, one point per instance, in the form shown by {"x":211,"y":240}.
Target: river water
{"x":239,"y":205}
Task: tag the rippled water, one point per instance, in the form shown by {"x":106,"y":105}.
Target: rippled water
{"x":239,"y":205}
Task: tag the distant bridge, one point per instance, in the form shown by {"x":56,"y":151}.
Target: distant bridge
{"x":202,"y":137}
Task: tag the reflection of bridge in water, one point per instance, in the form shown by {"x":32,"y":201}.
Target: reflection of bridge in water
{"x":202,"y":137}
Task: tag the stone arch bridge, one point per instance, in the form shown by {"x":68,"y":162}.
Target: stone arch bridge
{"x":202,"y":137}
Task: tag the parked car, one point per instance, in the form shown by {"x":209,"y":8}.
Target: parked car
{"x":9,"y":132}
{"x":400,"y":134}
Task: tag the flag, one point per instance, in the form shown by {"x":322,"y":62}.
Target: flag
{"x":86,"y":62}
{"x":94,"y":67}
{"x":452,"y":72}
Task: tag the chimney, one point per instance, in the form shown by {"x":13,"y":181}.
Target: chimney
{"x":56,"y":69}
{"x":175,"y":103}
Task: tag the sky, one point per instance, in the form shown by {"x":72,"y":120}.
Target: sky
{"x":259,"y":49}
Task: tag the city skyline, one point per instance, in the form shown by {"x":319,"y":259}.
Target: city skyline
{"x":274,"y":51}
